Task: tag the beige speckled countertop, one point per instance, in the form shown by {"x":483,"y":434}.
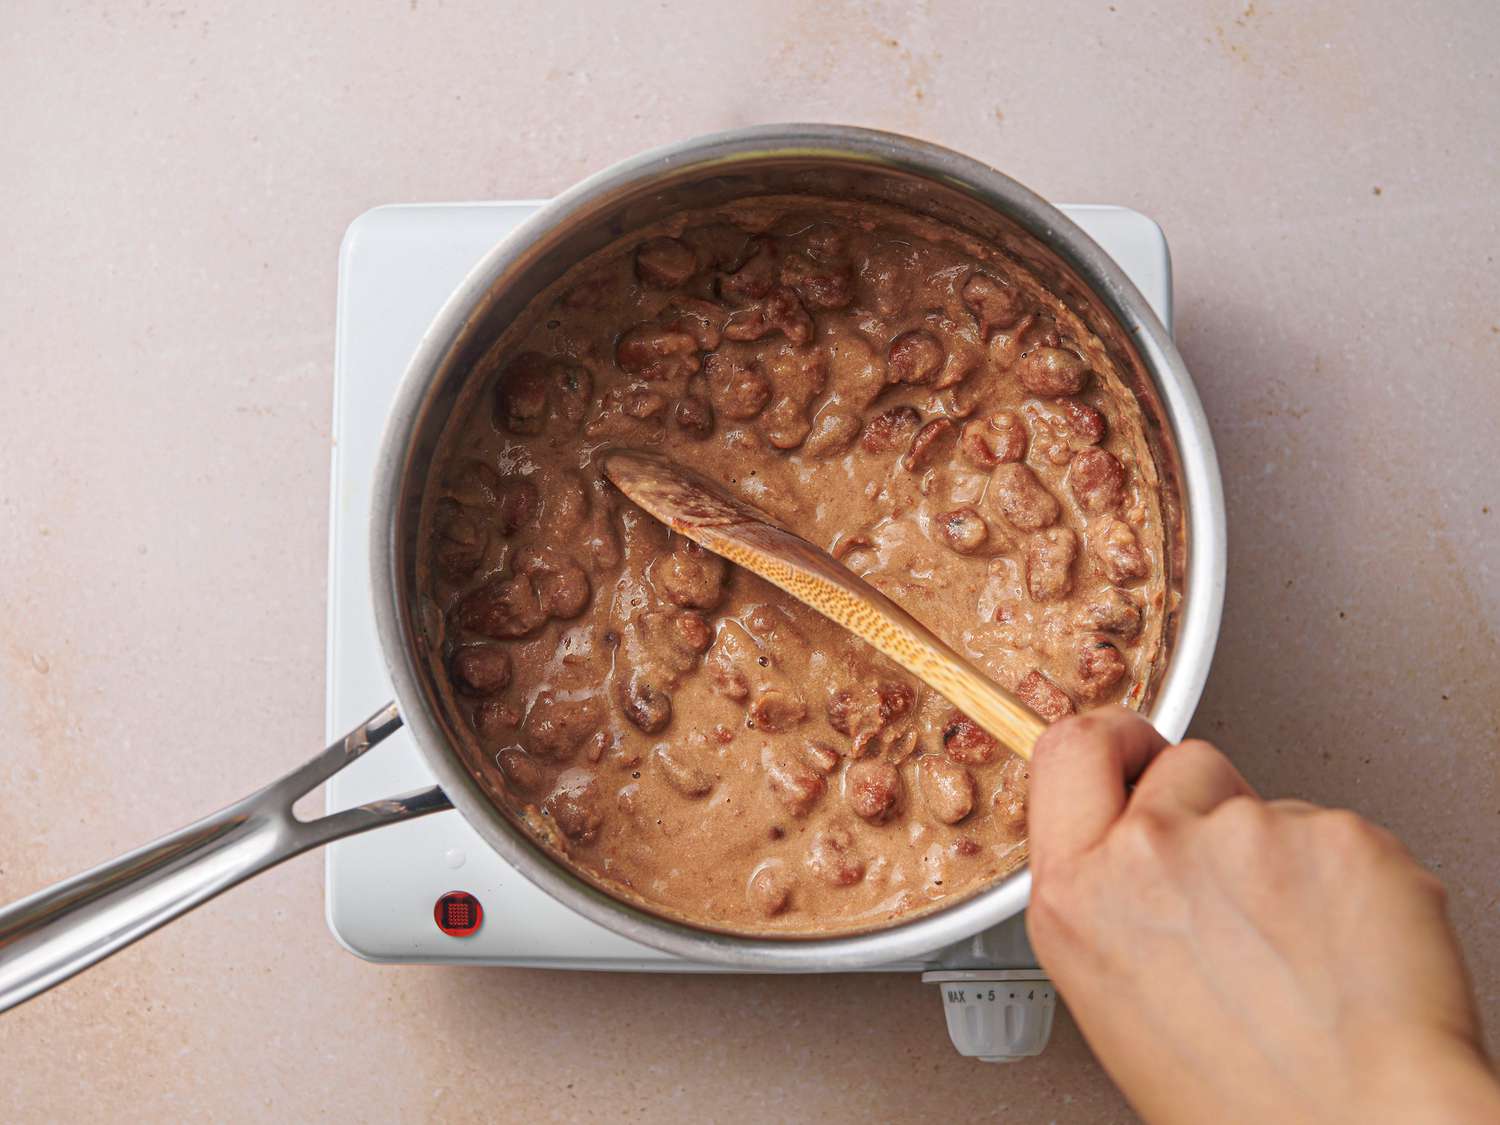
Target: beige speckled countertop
{"x":175,"y":181}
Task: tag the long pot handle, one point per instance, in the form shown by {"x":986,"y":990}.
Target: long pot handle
{"x":47,"y":937}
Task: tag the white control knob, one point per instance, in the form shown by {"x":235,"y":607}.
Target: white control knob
{"x":997,"y":1015}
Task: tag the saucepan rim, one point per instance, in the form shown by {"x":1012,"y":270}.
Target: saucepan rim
{"x":1203,"y":568}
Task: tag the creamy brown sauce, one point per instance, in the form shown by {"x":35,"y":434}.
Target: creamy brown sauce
{"x":684,"y":734}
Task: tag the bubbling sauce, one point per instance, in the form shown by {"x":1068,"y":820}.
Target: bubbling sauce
{"x":681,"y":733}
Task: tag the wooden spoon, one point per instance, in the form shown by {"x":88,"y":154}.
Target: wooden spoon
{"x":696,"y":507}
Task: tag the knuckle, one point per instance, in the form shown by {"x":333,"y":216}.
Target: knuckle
{"x":1145,"y":834}
{"x":1244,"y":829}
{"x":1348,"y":834}
{"x":1242,"y":813}
{"x":1207,"y":761}
{"x":1198,"y":748}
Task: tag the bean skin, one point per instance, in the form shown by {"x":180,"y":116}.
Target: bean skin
{"x":820,"y":284}
{"x":775,"y":711}
{"x":865,"y":712}
{"x":645,"y":705}
{"x":770,"y":890}
{"x":1052,"y":372}
{"x":964,"y":530}
{"x":792,"y":782}
{"x":928,"y":445}
{"x":1022,"y":499}
{"x":1044,"y":697}
{"x":757,"y":275}
{"x":873,"y":789}
{"x":890,"y":430}
{"x":1085,"y":423}
{"x":947,"y":788}
{"x":521,"y":395}
{"x":681,"y":774}
{"x":1008,"y":803}
{"x":694,"y":417}
{"x":780,"y":312}
{"x":665,"y":263}
{"x":1111,"y":610}
{"x":967,"y":743}
{"x":821,"y":757}
{"x":738,"y":391}
{"x":833,"y":858}
{"x":915,"y":357}
{"x":562,"y":586}
{"x":505,"y":609}
{"x":1100,"y":667}
{"x":1049,"y":564}
{"x":520,"y":769}
{"x":557,"y":726}
{"x":575,"y":809}
{"x":1116,"y":550}
{"x":496,"y":719}
{"x":994,"y":304}
{"x":689,"y":576}
{"x":657,"y":353}
{"x":994,"y":439}
{"x":1097,"y":480}
{"x":459,"y":545}
{"x":832,"y":434}
{"x":481,"y":669}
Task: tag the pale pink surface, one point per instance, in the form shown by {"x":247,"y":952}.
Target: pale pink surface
{"x":174,"y":187}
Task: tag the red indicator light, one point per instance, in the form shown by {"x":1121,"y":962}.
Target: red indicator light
{"x":458,"y":914}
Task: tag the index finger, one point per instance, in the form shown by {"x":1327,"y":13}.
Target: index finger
{"x":1079,"y":771}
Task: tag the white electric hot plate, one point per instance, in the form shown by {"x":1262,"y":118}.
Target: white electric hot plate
{"x":397,"y":266}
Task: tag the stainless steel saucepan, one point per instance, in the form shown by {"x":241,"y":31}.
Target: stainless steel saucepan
{"x":46,"y":938}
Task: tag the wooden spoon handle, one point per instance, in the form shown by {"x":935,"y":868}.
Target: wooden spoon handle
{"x":814,"y":577}
{"x":699,"y":510}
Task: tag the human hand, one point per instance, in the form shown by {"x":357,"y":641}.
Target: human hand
{"x":1234,"y":959}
